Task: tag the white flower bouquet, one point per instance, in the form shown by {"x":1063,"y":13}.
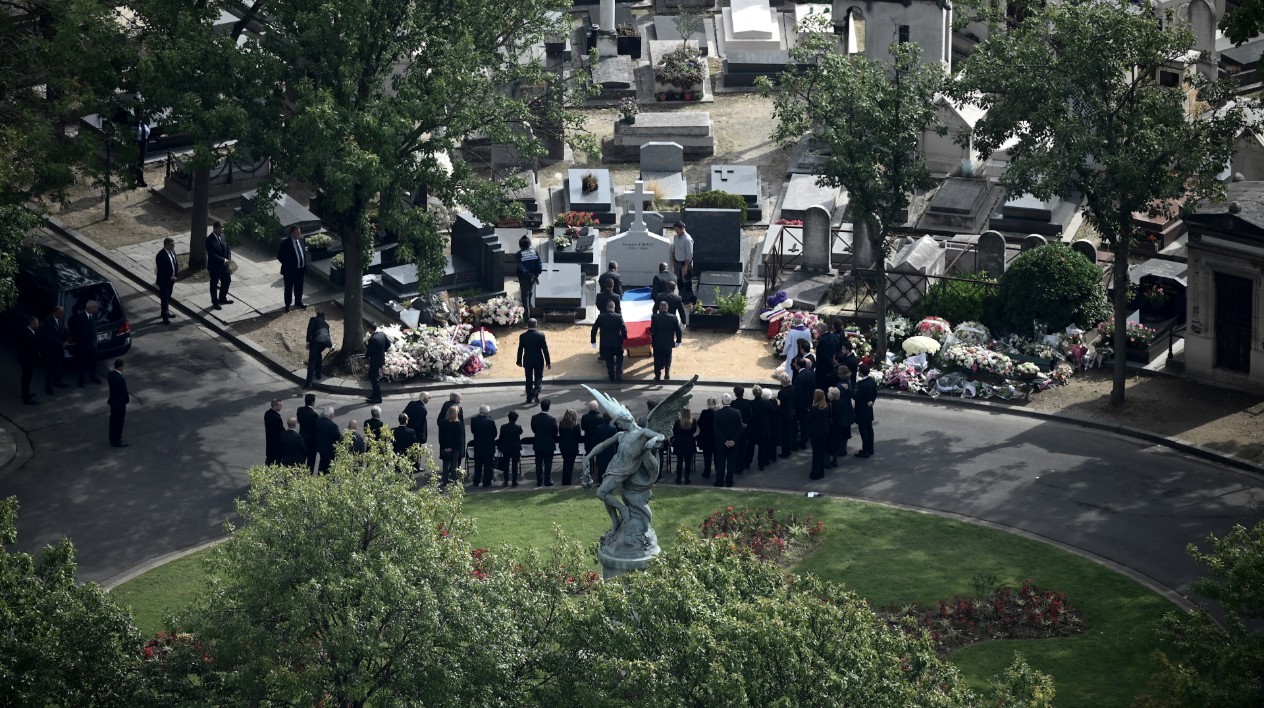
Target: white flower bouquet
{"x":1027,"y":369}
{"x":972,"y":333}
{"x":936,"y":328}
{"x":977,"y":358}
{"x":920,"y":345}
{"x":898,"y":329}
{"x":503,"y":311}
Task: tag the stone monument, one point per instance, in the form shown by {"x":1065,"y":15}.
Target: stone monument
{"x":626,"y":489}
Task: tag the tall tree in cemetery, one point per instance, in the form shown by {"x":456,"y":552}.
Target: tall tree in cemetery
{"x":204,"y":84}
{"x":379,"y":97}
{"x":870,"y":115}
{"x":1077,"y":85}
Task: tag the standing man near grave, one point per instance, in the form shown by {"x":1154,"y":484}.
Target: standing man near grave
{"x":613,"y":332}
{"x":293,"y":257}
{"x":588,"y":424}
{"x":28,"y":357}
{"x":376,"y":354}
{"x":454,"y":399}
{"x":728,"y":432}
{"x":218,"y":257}
{"x":804,"y":386}
{"x":293,"y":446}
{"x":608,"y":296}
{"x":83,"y":328}
{"x":682,"y":254}
{"x":866,"y":394}
{"x":665,"y":336}
{"x":416,"y":410}
{"x":544,"y":428}
{"x":118,"y":400}
{"x":659,"y":285}
{"x":483,"y":432}
{"x":828,"y":346}
{"x":327,"y":436}
{"x":273,"y":432}
{"x":529,"y":269}
{"x":743,"y":405}
{"x":166,"y":268}
{"x":612,"y":275}
{"x":846,"y":357}
{"x":307,"y":417}
{"x":675,"y":305}
{"x":53,"y":336}
{"x":318,"y":340}
{"x":533,"y":357}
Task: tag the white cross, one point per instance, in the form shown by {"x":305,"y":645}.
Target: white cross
{"x":637,"y":197}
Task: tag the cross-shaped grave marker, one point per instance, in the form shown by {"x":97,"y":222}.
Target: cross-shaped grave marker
{"x":637,"y":197}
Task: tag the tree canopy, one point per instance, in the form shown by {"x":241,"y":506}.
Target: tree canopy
{"x":871,"y":116}
{"x":1076,"y":85}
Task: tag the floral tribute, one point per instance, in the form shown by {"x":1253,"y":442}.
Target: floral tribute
{"x":1027,"y":612}
{"x":430,"y":352}
{"x":920,"y":345}
{"x":785,"y":323}
{"x":972,"y":333}
{"x":503,"y":311}
{"x":936,"y":328}
{"x":1139,"y":335}
{"x":762,"y":533}
{"x":574,"y":220}
{"x":860,"y":344}
{"x":977,"y":358}
{"x":898,"y":329}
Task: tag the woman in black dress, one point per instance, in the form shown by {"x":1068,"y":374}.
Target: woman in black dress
{"x":819,"y":417}
{"x":568,"y":434}
{"x":451,"y":444}
{"x":706,"y":435}
{"x":509,"y":442}
{"x":684,"y":432}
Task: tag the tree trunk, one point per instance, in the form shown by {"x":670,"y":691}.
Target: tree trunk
{"x":878,"y":241}
{"x":353,"y":293}
{"x":201,"y":211}
{"x":1119,"y":303}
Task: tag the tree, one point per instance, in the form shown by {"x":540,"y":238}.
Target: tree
{"x":1244,"y":22}
{"x":63,"y":60}
{"x":16,"y":224}
{"x":1054,"y":285}
{"x":218,"y":95}
{"x":380,"y":97}
{"x":1076,"y":84}
{"x":64,"y":642}
{"x":1212,"y":665}
{"x":871,"y":116}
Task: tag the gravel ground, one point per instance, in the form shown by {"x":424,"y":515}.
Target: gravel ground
{"x":284,"y":334}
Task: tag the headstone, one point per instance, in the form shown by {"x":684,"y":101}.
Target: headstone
{"x":1033,"y":241}
{"x":664,"y":164}
{"x":802,"y":191}
{"x":654,"y":221}
{"x":638,"y":254}
{"x":750,"y":25}
{"x":961,"y":206}
{"x":560,"y":286}
{"x":615,"y":73}
{"x":508,"y":240}
{"x":479,"y":247}
{"x":816,"y":239}
{"x":717,"y":239}
{"x":691,"y":130}
{"x":1086,"y":249}
{"x":665,"y":30}
{"x":637,"y":198}
{"x":713,"y":285}
{"x":599,"y":202}
{"x":991,"y":249}
{"x":907,"y":280}
{"x":742,"y":180}
{"x":864,"y":255}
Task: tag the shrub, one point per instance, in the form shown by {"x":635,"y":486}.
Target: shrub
{"x":681,"y":68}
{"x":762,"y":533}
{"x":734,"y":304}
{"x":338,"y":262}
{"x":319,"y":241}
{"x":1054,"y":285}
{"x":716,"y":199}
{"x":961,"y":300}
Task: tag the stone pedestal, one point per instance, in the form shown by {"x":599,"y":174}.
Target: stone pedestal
{"x":612,"y":566}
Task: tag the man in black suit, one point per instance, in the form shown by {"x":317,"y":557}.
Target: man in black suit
{"x":328,"y":434}
{"x":743,"y":406}
{"x":544,"y":428}
{"x":293,"y":446}
{"x":454,"y":399}
{"x":373,"y":424}
{"x":659,"y":285}
{"x":218,"y":257}
{"x":588,"y":425}
{"x":358,"y":444}
{"x":786,"y":415}
{"x":613,"y":332}
{"x":847,"y":358}
{"x":533,"y":357}
{"x":83,"y":329}
{"x":728,"y":433}
{"x":29,"y":357}
{"x":608,"y":296}
{"x":119,"y":398}
{"x":866,"y":394}
{"x":612,"y":275}
{"x":53,"y":336}
{"x":804,"y":387}
{"x":307,"y":417}
{"x":273,"y":431}
{"x":416,"y":411}
{"x":483,"y":430}
{"x":318,"y":340}
{"x":665,"y":336}
{"x":675,"y":305}
{"x":404,"y":437}
{"x":293,"y":256}
{"x":166,"y":267}
{"x":827,"y":347}
{"x":376,"y":354}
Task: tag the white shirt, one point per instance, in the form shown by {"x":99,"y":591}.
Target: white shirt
{"x":298,"y":248}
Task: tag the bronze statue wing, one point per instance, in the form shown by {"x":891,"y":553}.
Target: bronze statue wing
{"x":665,"y":414}
{"x":612,"y":407}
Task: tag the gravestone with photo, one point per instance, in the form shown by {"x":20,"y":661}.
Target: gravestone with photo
{"x":991,"y":258}
{"x":662,"y":166}
{"x":742,"y":180}
{"x":717,"y":239}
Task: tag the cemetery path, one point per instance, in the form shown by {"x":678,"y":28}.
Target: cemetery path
{"x":196,"y":426}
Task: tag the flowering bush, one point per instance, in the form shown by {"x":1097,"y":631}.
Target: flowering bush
{"x":936,"y":328}
{"x":575,"y":219}
{"x":790,"y":222}
{"x":898,"y":329}
{"x":762,"y":533}
{"x":562,"y":241}
{"x":976,"y":358}
{"x":1139,"y":335}
{"x":972,"y":333}
{"x":1007,"y":613}
{"x":503,"y":311}
{"x":920,"y":345}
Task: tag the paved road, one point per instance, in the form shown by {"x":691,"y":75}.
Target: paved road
{"x":197,"y":426}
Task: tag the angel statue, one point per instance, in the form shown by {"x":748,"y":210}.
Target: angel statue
{"x":633,"y":472}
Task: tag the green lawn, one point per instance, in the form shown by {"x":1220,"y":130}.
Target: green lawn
{"x":885,"y":555}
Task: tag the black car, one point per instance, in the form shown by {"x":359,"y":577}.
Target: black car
{"x":49,"y":278}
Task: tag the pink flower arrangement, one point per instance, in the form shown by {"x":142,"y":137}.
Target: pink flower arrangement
{"x":936,"y":328}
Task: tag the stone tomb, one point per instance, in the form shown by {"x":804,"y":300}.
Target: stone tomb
{"x":599,"y":202}
{"x":1028,"y":215}
{"x":961,"y":206}
{"x":717,"y":239}
{"x":749,"y":25}
{"x":288,"y":212}
{"x":991,"y":254}
{"x":816,"y":240}
{"x":1033,"y":241}
{"x":479,"y":245}
{"x":663,"y":165}
{"x":665,"y":30}
{"x":615,"y":76}
{"x":561,"y":288}
{"x":742,"y":180}
{"x":638,"y":254}
{"x":716,"y":284}
{"x":1086,"y":249}
{"x":907,"y":280}
{"x":691,"y":130}
{"x":802,"y":192}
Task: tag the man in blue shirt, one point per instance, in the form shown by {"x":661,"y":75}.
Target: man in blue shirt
{"x":529,"y":269}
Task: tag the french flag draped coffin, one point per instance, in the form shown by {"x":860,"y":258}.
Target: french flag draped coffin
{"x":638,"y":306}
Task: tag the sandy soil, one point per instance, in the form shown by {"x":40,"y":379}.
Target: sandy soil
{"x":284,"y":334}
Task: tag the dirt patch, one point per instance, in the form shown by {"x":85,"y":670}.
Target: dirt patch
{"x":284,"y":334}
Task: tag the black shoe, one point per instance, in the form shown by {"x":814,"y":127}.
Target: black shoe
{"x":548,"y":484}
{"x":688,"y":481}
{"x":657,"y":377}
{"x":226,"y":301}
{"x":667,"y":376}
{"x":706,"y":475}
{"x":504,"y":484}
{"x":514,"y":484}
{"x":301,"y":306}
{"x":373,"y":401}
{"x":287,"y":308}
{"x":61,"y":385}
{"x":864,"y":454}
{"x":119,"y":444}
{"x":308,"y":385}
{"x":216,"y":306}
{"x":30,"y":401}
